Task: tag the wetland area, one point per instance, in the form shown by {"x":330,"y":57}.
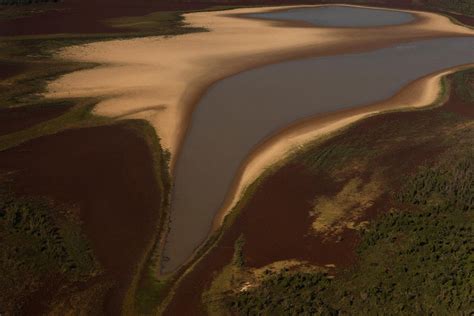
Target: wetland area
{"x":198,"y":159}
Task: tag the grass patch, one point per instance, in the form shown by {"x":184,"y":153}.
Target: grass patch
{"x":332,"y":214}
{"x":239,"y":260}
{"x":334,"y":157}
{"x":464,"y":7}
{"x":465,"y":86}
{"x":158,"y":23}
{"x":147,"y":290}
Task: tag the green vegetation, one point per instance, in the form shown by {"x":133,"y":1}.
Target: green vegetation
{"x":147,"y":290}
{"x":231,"y":276}
{"x":415,"y":258}
{"x":428,"y":264}
{"x":285,"y":293}
{"x":42,"y":243}
{"x":78,"y":116}
{"x":450,"y":183}
{"x":151,"y":291}
{"x":465,"y":7}
{"x":157,"y":23}
{"x":465,"y":86}
{"x":239,"y":259}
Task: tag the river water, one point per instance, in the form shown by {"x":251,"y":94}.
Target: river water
{"x":339,"y":16}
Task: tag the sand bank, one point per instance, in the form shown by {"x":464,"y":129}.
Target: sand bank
{"x":160,"y":79}
{"x":420,"y":93}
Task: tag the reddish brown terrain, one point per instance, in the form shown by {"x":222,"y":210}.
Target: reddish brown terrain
{"x":16,"y":119}
{"x":273,"y":223}
{"x":86,"y":17}
{"x":108,"y":173}
{"x":283,"y":205}
{"x":10,"y":69}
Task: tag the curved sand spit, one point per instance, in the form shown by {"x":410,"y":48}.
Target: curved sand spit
{"x":160,"y":79}
{"x":420,"y":93}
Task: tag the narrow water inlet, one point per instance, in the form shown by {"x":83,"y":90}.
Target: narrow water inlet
{"x":239,"y":112}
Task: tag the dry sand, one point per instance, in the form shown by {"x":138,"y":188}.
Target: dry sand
{"x":160,"y":79}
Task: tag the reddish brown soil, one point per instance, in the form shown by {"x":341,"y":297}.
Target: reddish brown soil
{"x":85,"y":17}
{"x":273,"y":223}
{"x":79,"y":16}
{"x":460,"y":107}
{"x":8,"y":70}
{"x":108,"y":173}
{"x":187,"y":299}
{"x":277,"y":226}
{"x":16,"y":119}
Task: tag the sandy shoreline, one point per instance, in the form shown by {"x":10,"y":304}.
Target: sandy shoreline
{"x":420,"y":93}
{"x":161,"y":79}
